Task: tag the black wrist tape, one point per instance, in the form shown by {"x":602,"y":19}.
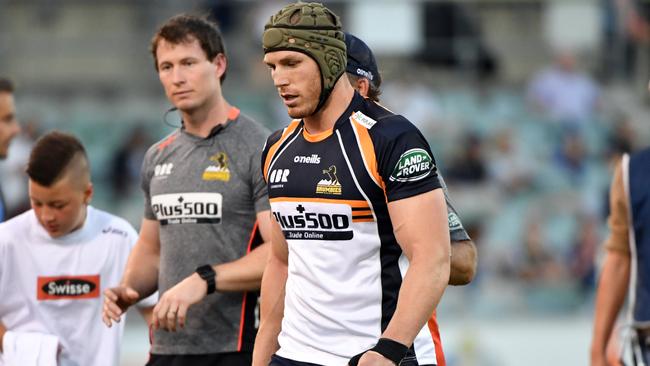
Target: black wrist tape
{"x":390,"y":349}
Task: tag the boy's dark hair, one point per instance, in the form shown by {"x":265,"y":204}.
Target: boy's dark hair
{"x":183,"y":28}
{"x":51,"y":155}
{"x":6,"y":86}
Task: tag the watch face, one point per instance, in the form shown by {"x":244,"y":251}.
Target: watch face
{"x":205,"y":270}
{"x":207,"y":273}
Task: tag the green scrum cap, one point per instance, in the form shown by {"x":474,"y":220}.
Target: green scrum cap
{"x":314,"y":30}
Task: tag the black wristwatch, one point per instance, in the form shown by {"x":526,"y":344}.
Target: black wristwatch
{"x":208,"y":274}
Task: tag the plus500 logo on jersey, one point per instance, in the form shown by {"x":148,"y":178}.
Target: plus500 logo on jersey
{"x":307,"y":221}
{"x":187,"y":208}
{"x":67,"y":287}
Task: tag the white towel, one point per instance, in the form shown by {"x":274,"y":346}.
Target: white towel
{"x":29,"y":349}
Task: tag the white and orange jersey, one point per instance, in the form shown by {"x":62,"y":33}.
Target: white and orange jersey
{"x":329,"y":193}
{"x":55,"y":286}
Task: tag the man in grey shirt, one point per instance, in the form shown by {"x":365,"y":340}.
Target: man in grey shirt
{"x":206,"y":220}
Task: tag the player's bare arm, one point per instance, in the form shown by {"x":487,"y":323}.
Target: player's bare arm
{"x":3,"y":330}
{"x":243,"y":274}
{"x":424,"y":239}
{"x":147,"y":314}
{"x":610,"y":296}
{"x":140,"y":276}
{"x":272,"y":298}
{"x":463,"y":262}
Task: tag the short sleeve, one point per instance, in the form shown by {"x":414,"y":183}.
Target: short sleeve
{"x":152,"y":300}
{"x":457,"y":231}
{"x":145,"y":182}
{"x":258,"y":184}
{"x":405,"y":161}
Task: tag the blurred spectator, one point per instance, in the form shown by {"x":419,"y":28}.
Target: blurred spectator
{"x":537,"y":264}
{"x":583,"y":254}
{"x":454,"y":38}
{"x":621,"y":138}
{"x":221,"y":11}
{"x":509,"y":167}
{"x":634,"y":18}
{"x":12,"y":170}
{"x":9,"y":128}
{"x":470,"y":166}
{"x":418,"y":103}
{"x":571,"y":158}
{"x":564,"y":93}
{"x":126,"y":163}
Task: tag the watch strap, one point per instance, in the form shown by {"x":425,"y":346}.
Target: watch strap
{"x":207,"y":273}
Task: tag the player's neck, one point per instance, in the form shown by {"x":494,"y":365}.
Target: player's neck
{"x":201,"y":121}
{"x":335,"y":105}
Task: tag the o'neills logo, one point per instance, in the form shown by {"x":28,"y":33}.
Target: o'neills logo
{"x":67,"y":287}
{"x":313,"y":159}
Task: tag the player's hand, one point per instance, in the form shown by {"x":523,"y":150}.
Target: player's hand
{"x":599,"y":361}
{"x":372,"y":358}
{"x":172,"y":306}
{"x":116,"y":301}
{"x":602,"y":360}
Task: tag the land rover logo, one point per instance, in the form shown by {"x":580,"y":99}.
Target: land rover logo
{"x":413,"y":165}
{"x":454,"y":221}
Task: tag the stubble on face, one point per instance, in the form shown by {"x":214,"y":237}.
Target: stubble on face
{"x":297,"y":79}
{"x":188,"y":77}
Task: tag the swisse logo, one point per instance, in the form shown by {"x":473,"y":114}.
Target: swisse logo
{"x":187,"y":208}
{"x":306,"y":225}
{"x":279,"y":176}
{"x":413,"y":165}
{"x":163,"y":169}
{"x":68,"y":287}
{"x":313,"y":159}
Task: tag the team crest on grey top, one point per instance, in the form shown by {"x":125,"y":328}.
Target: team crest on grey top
{"x":219,"y":170}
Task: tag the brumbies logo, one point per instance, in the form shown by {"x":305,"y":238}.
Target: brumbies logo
{"x":413,"y":165}
{"x":331,"y":185}
{"x":67,"y":287}
{"x":218,"y":171}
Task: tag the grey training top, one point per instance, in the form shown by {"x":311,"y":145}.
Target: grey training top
{"x":456,"y":230}
{"x":205,"y":193}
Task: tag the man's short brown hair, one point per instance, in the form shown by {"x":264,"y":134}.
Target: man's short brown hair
{"x":6,"y":86}
{"x":51,"y":156}
{"x":184,"y":28}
